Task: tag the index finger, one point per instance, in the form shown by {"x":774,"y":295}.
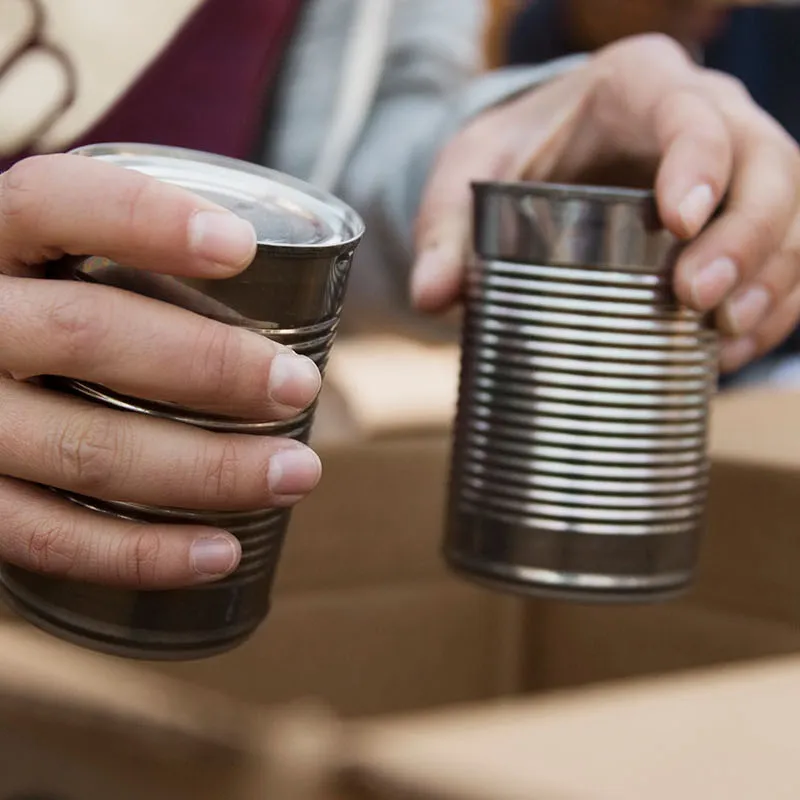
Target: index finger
{"x":73,"y":205}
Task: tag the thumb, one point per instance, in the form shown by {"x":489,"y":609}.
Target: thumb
{"x":528,"y":137}
{"x":444,"y":227}
{"x":443,"y":246}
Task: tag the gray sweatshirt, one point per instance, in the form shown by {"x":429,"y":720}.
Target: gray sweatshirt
{"x":372,"y":91}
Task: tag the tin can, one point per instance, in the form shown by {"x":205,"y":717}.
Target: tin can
{"x":292,"y":293}
{"x":579,"y":465}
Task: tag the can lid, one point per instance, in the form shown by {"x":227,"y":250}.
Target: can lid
{"x":285,"y":211}
{"x":572,"y":225}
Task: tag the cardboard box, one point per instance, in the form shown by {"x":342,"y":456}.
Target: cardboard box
{"x":372,"y":651}
{"x":571,"y":645}
{"x":367,"y":621}
{"x":727,"y":734}
{"x":83,"y":727}
{"x":752,"y":551}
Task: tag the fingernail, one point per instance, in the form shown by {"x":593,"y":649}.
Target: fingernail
{"x":295,"y":471}
{"x":214,"y":556}
{"x":746,"y":310}
{"x":227,"y":241}
{"x":294,"y":380}
{"x":735,"y":353}
{"x":696,"y":208}
{"x":710,"y":285}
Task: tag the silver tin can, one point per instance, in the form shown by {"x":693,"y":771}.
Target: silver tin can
{"x":579,"y":465}
{"x":292,"y":293}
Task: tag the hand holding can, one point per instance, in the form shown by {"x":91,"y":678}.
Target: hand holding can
{"x":165,"y":330}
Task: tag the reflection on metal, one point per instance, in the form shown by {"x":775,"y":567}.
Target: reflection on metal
{"x":579,"y":465}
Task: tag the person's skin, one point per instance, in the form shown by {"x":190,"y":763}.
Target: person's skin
{"x":51,"y":205}
{"x":640,"y":101}
{"x":694,"y":132}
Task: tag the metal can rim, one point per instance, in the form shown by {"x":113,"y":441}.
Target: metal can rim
{"x":350,"y":224}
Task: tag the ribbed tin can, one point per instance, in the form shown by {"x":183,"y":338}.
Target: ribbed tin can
{"x":292,"y":293}
{"x":579,"y":465}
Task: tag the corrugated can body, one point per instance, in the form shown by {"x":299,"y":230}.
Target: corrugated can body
{"x":293,"y":293}
{"x":579,"y":465}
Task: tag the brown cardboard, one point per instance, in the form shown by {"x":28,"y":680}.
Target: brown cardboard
{"x":726,"y":734}
{"x":392,"y":385}
{"x":757,"y":426}
{"x":38,"y":671}
{"x":106,"y":730}
{"x":749,"y":563}
{"x":75,"y":724}
{"x":574,"y":645}
{"x":373,"y":650}
{"x":376,"y":517}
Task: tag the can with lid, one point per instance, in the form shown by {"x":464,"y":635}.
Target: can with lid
{"x":293,"y":293}
{"x":579,"y":461}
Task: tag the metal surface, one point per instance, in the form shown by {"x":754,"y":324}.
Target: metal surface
{"x":574,"y":226}
{"x":579,"y":464}
{"x":292,"y":292}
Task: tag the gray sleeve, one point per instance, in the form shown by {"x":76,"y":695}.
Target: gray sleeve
{"x":430,"y":87}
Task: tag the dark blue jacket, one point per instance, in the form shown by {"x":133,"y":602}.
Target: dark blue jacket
{"x":760,"y":46}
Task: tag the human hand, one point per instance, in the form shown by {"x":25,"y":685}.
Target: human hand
{"x":695,"y":133}
{"x":56,"y":205}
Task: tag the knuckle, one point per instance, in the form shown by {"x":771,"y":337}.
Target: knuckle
{"x":677,"y":110}
{"x":78,"y":324}
{"x":729,"y":86}
{"x":217,"y":359}
{"x":91,"y":448}
{"x":653,"y":47}
{"x":137,"y":557}
{"x":52,"y":547}
{"x":136,"y":199}
{"x":758,"y":232}
{"x":219,"y":472}
{"x":661,"y":45}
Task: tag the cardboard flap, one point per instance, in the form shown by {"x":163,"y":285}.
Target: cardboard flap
{"x":80,"y":721}
{"x":395,"y":385}
{"x":758,"y":426}
{"x":39,"y":673}
{"x":727,"y":734}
